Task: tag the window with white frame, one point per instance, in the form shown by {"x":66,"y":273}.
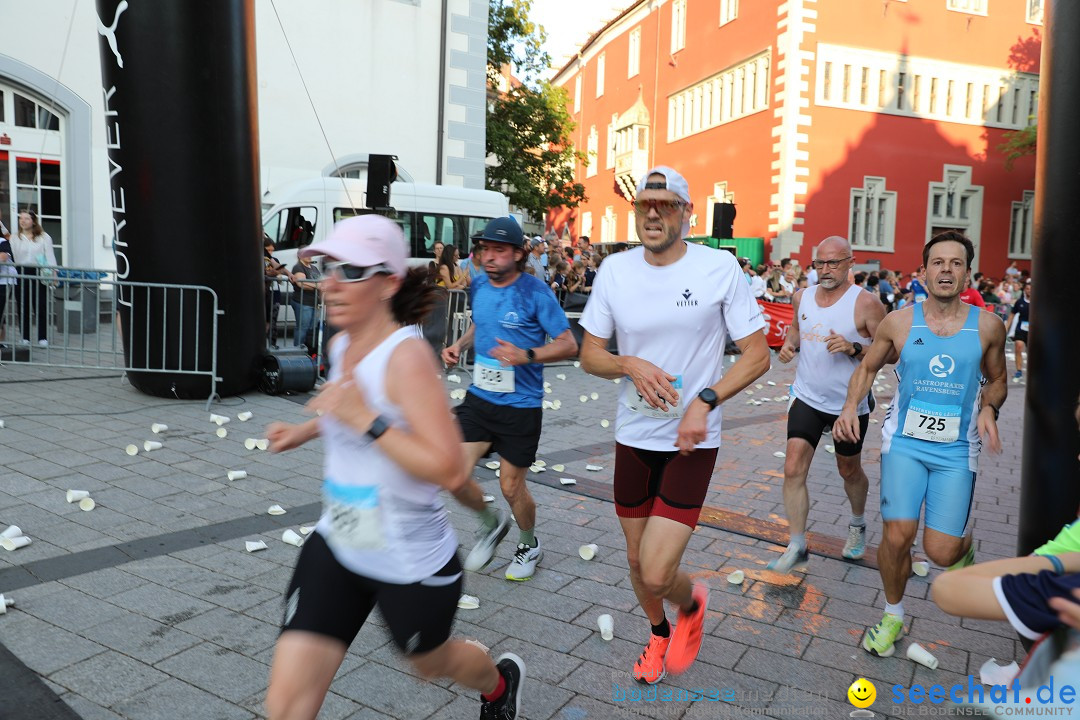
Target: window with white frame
{"x":609,"y":151}
{"x":577,"y":92}
{"x":1035,"y":12}
{"x":592,"y":152}
{"x":608,"y":226}
{"x":678,"y":26}
{"x":1022,"y":227}
{"x":601,"y":62}
{"x":911,"y":86}
{"x":872,"y":216}
{"x":975,"y":7}
{"x":729,"y":10}
{"x":586,"y":225}
{"x":633,"y":58}
{"x":731,"y":94}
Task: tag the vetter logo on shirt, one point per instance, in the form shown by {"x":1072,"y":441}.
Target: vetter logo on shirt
{"x":686,"y":301}
{"x":942,"y":366}
{"x":511,"y":320}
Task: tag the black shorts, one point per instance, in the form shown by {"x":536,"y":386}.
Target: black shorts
{"x":662,"y":483}
{"x":1020,"y":336}
{"x":807,"y":423}
{"x":513,"y":432}
{"x":327,"y":598}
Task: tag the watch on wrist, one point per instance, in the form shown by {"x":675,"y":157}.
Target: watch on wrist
{"x":531,"y":354}
{"x":708,"y":396}
{"x":378,"y":427}
{"x":857,"y":347}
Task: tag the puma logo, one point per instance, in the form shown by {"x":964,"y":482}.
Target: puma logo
{"x":109,"y":33}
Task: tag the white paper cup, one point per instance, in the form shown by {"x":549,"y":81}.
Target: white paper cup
{"x":1,"y":423}
{"x":921,"y":568}
{"x":489,"y":498}
{"x":558,"y":468}
{"x":250,"y":443}
{"x":6,"y":601}
{"x":14,"y":543}
{"x":244,"y":416}
{"x":238,"y":475}
{"x":132,"y":449}
{"x":606,"y":625}
{"x":151,"y":445}
{"x":157,"y":428}
{"x":254,"y":545}
{"x":290,"y":537}
{"x":588,"y":552}
{"x":221,"y":420}
{"x":306,"y":529}
{"x":568,"y":481}
{"x":919,"y":654}
{"x":594,"y":468}
{"x":276,"y":510}
{"x":13,"y":531}
{"x":736,"y":577}
{"x":468,"y":602}
{"x":87,"y":504}
{"x":222,"y":432}
{"x":262,"y":443}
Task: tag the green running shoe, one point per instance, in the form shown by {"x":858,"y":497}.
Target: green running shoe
{"x":968,"y":559}
{"x":881,"y":639}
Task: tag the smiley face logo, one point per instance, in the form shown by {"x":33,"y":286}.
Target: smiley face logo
{"x":862,"y":693}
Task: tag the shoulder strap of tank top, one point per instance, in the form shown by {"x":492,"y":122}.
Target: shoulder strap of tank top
{"x":972,"y":320}
{"x":917,"y":318}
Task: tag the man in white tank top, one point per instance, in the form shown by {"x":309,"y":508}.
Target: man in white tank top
{"x":833,"y":322}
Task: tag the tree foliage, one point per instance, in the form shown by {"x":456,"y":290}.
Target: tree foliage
{"x":1017,"y":144}
{"x":529,"y":131}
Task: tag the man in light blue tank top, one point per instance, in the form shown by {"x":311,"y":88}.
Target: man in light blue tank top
{"x":951,"y":383}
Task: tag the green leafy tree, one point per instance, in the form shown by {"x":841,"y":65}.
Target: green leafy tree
{"x":1018,"y":143}
{"x":529,"y":131}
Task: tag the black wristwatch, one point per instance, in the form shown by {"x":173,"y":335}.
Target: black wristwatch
{"x":378,"y":427}
{"x":531,"y":354}
{"x":858,"y":349}
{"x":708,"y":396}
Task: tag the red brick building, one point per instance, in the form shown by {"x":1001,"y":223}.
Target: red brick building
{"x":878,"y":120}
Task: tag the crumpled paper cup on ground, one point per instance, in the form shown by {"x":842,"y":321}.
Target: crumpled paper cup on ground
{"x":254,"y":545}
{"x":468,"y":602}
{"x":588,"y":552}
{"x":244,"y":416}
{"x":993,"y":674}
{"x":607,"y":626}
{"x":87,"y":504}
{"x":921,"y":655}
{"x":13,"y":531}
{"x":14,"y":543}
{"x":158,"y":428}
{"x":291,"y":537}
{"x":238,"y":475}
{"x":151,"y":445}
{"x":77,"y":495}
{"x":276,"y":510}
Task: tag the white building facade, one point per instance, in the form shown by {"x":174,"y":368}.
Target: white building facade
{"x":382,"y":77}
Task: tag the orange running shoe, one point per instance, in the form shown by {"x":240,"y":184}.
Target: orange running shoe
{"x":686,"y":639}
{"x":649,"y":669}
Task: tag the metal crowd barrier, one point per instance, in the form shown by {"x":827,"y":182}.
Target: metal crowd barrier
{"x":70,"y":318}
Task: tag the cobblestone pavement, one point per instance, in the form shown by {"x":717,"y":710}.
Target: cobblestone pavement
{"x":150,"y":607}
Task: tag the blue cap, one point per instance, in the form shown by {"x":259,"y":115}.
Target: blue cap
{"x":504,"y":230}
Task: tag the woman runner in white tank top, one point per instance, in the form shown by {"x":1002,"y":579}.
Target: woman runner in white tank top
{"x":391,"y":446}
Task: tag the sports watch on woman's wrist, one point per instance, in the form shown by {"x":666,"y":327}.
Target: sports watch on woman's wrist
{"x":708,"y":396}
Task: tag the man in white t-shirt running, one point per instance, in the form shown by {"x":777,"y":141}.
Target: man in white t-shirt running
{"x":672,"y":306}
{"x":834,"y":325}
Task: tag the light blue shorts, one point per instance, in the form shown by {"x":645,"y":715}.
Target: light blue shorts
{"x":948,"y":491}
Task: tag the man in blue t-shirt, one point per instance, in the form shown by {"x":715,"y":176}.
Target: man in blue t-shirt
{"x":513,"y":314}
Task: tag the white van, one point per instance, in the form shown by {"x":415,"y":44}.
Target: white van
{"x":305,"y":211}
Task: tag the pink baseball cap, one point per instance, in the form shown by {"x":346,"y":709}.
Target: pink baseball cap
{"x":364,"y":241}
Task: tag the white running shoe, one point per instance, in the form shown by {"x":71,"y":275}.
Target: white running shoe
{"x":486,"y":542}
{"x":523,"y":566}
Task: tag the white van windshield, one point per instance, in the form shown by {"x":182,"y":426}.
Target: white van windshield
{"x":422,"y":230}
